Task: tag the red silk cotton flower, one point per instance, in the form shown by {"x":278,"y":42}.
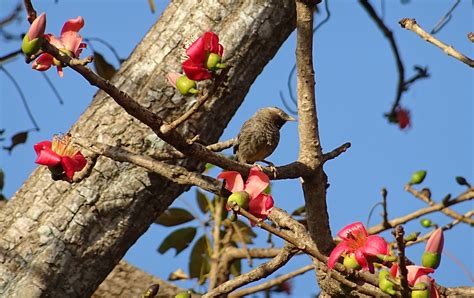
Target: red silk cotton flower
{"x":69,"y":42}
{"x":355,"y":240}
{"x":417,"y":274}
{"x":260,"y":204}
{"x":403,"y":118}
{"x":204,"y":55}
{"x":60,"y":156}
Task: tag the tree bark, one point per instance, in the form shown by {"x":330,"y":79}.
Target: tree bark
{"x":62,"y":240}
{"x":129,"y":281}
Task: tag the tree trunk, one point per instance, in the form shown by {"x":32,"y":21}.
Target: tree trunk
{"x":62,"y":240}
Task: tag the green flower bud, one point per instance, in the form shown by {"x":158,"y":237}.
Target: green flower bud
{"x":67,"y":53}
{"x":462,"y":181}
{"x":152,"y":291}
{"x":425,"y":222}
{"x":418,"y":177}
{"x":30,"y":47}
{"x":241,"y":198}
{"x":350,"y":262}
{"x":186,"y":294}
{"x":384,"y":284}
{"x":212,"y":61}
{"x":430,"y":259}
{"x":186,"y":86}
{"x":420,"y":293}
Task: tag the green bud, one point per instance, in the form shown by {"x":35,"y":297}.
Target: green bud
{"x":212,"y":61}
{"x":186,"y":86}
{"x":412,"y":236}
{"x":30,"y":47}
{"x":420,"y":293}
{"x":384,"y":284}
{"x":152,"y":291}
{"x":431,"y":259}
{"x":186,"y":294}
{"x":67,"y":53}
{"x":418,"y":177}
{"x":350,"y":262}
{"x":425,"y":222}
{"x":462,"y":181}
{"x":386,"y":258}
{"x":241,"y":198}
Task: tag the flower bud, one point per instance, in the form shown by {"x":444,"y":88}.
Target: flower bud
{"x":350,"y":262}
{"x":422,"y":288}
{"x":384,"y":284}
{"x":30,"y":47}
{"x":241,"y":198}
{"x":186,"y":294}
{"x":212,"y":60}
{"x":462,"y":181}
{"x":432,"y":255}
{"x":152,"y":291}
{"x":186,"y":86}
{"x":425,"y":222}
{"x":418,"y":177}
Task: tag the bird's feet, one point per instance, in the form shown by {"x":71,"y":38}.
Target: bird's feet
{"x":270,"y":165}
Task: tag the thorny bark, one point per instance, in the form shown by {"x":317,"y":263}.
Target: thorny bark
{"x":62,"y":240}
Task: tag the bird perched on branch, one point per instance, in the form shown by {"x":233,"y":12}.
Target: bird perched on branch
{"x":259,"y":136}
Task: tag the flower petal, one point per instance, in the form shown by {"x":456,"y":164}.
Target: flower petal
{"x":261,"y":206}
{"x":194,"y":71}
{"x":43,"y":62}
{"x":435,"y":242}
{"x":212,"y":41}
{"x":336,"y":253}
{"x":375,"y":245}
{"x":360,"y":257}
{"x":42,"y":146}
{"x":233,"y":180}
{"x":197,"y":51}
{"x":74,"y":164}
{"x":416,"y":271}
{"x":70,"y":36}
{"x":54,"y":40}
{"x":256,"y":183}
{"x":47,"y":157}
{"x":354,"y":230}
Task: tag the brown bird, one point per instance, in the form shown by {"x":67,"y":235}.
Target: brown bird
{"x":259,"y":136}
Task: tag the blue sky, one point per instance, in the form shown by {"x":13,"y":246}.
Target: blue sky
{"x":356,"y":79}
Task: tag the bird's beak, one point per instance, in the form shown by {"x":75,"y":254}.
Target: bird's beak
{"x":290,"y":118}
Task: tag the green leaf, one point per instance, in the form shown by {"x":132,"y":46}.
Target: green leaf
{"x":103,"y":68}
{"x":203,"y":201}
{"x":247,"y":233}
{"x":174,"y":217}
{"x":208,"y":167}
{"x":299,"y":211}
{"x":17,"y":139}
{"x":199,"y":260}
{"x":236,"y":268}
{"x":179,"y":240}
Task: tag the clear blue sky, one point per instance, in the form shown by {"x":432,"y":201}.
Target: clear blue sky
{"x":355,"y":84}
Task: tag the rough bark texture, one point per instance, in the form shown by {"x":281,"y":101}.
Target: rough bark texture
{"x":62,"y":240}
{"x":128,"y":281}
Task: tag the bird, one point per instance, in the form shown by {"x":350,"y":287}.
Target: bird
{"x":259,"y":135}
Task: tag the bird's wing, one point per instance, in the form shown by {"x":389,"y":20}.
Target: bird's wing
{"x":236,"y":144}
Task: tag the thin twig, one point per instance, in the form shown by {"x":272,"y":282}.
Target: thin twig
{"x":466,"y":196}
{"x":12,"y":16}
{"x":445,"y":18}
{"x":242,"y":240}
{"x":384,"y":206}
{"x":273,"y":282}
{"x":30,"y":11}
{"x":410,"y":24}
{"x":258,"y":273}
{"x":51,"y":85}
{"x":399,"y":233}
{"x":336,"y":152}
{"x":216,"y":248}
{"x":447,"y":211}
{"x":10,"y":56}
{"x":108,"y":45}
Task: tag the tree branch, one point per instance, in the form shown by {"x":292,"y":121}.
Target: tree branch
{"x":410,"y":24}
{"x":273,"y":282}
{"x":429,"y":201}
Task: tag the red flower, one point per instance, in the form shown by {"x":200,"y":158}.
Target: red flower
{"x":260,"y":204}
{"x":415,"y":275}
{"x":403,"y":117}
{"x":70,"y":43}
{"x":204,"y":54}
{"x":355,"y":240}
{"x":60,"y":156}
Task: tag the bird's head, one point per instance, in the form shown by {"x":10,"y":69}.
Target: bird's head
{"x":278,"y":116}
